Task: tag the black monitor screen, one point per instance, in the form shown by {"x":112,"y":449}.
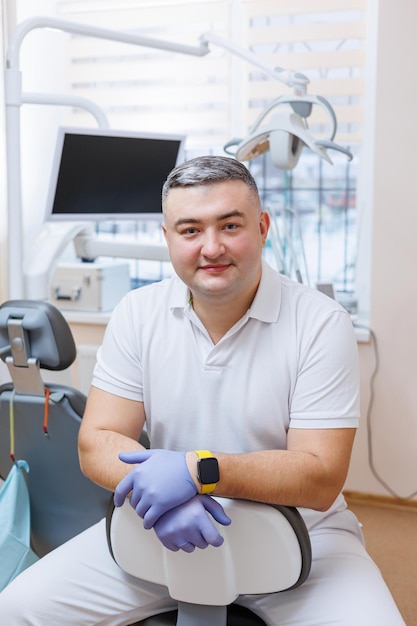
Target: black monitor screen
{"x":110,"y":175}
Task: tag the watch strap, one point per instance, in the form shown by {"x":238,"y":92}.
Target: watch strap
{"x":205,"y":487}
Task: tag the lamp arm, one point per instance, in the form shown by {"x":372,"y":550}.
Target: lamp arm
{"x":68,"y":100}
{"x":301,"y":105}
{"x":291,"y":79}
{"x":20,"y":32}
{"x":5,"y":351}
{"x":331,"y":145}
{"x":328,"y":107}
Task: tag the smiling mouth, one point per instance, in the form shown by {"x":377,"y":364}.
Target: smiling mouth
{"x":215,"y":269}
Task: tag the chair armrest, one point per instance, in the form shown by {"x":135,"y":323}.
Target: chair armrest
{"x":266,"y":549}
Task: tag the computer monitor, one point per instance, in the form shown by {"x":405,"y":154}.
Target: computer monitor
{"x":102,"y":175}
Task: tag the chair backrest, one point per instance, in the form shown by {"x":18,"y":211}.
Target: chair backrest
{"x":266,"y":549}
{"x":43,"y":427}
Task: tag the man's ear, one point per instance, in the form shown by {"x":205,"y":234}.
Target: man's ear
{"x":264,"y":223}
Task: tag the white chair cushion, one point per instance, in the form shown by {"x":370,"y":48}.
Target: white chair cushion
{"x":261,"y":554}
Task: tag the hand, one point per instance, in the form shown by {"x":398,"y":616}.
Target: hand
{"x":188,"y":526}
{"x":160,"y":482}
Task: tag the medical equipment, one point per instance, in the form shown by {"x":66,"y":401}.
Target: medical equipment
{"x":56,"y":236}
{"x":98,"y":286}
{"x":287,"y":133}
{"x":102,"y":174}
{"x":284,"y":243}
{"x":294,"y":128}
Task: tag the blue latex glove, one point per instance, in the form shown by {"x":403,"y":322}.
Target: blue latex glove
{"x":160,"y":482}
{"x":189,"y":526}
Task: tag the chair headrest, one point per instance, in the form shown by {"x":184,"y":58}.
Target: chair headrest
{"x":46,"y":334}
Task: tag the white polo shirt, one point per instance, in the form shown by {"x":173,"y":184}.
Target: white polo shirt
{"x":290,"y":362}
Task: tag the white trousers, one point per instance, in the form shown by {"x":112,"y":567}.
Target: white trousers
{"x":79,"y":584}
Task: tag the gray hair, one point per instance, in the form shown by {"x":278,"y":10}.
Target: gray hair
{"x":208,"y":170}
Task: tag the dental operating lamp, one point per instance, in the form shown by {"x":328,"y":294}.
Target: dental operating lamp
{"x":284,"y":135}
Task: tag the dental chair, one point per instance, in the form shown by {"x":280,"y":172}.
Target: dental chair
{"x":39,"y":423}
{"x":266,"y":549}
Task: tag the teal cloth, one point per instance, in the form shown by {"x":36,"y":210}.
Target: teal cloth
{"x":15,"y":552}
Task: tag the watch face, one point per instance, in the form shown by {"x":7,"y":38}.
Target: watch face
{"x":208,"y":471}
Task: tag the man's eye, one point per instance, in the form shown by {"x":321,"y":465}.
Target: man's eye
{"x":231,"y":226}
{"x":190,"y":231}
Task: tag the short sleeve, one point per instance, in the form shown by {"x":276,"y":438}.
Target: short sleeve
{"x":326,"y":393}
{"x":118,"y":369}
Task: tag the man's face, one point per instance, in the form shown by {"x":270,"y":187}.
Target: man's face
{"x":215,"y":235}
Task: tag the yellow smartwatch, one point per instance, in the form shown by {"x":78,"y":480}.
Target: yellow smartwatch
{"x":208,"y":474}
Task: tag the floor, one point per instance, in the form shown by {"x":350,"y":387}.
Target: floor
{"x":391,"y":539}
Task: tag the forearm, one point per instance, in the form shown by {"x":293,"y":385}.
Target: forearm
{"x":310,"y":474}
{"x":99,"y":457}
{"x":277,"y":477}
{"x":110,"y":425}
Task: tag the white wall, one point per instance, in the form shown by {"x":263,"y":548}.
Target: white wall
{"x":393,"y":294}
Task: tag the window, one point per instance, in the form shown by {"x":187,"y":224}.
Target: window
{"x":216,"y":97}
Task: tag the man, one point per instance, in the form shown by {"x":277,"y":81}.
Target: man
{"x":230,"y":358}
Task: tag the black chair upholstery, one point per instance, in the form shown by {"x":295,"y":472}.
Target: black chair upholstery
{"x":236,"y":616}
{"x":34,"y":335}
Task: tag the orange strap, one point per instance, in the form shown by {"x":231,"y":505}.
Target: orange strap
{"x":11,"y":426}
{"x":11,"y":420}
{"x":46,"y":411}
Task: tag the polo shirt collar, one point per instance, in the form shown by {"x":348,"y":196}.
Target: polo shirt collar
{"x":180,"y":294}
{"x":267,"y":302}
{"x":265,"y":306}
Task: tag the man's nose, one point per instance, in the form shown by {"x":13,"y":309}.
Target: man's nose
{"x":213,"y":245}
